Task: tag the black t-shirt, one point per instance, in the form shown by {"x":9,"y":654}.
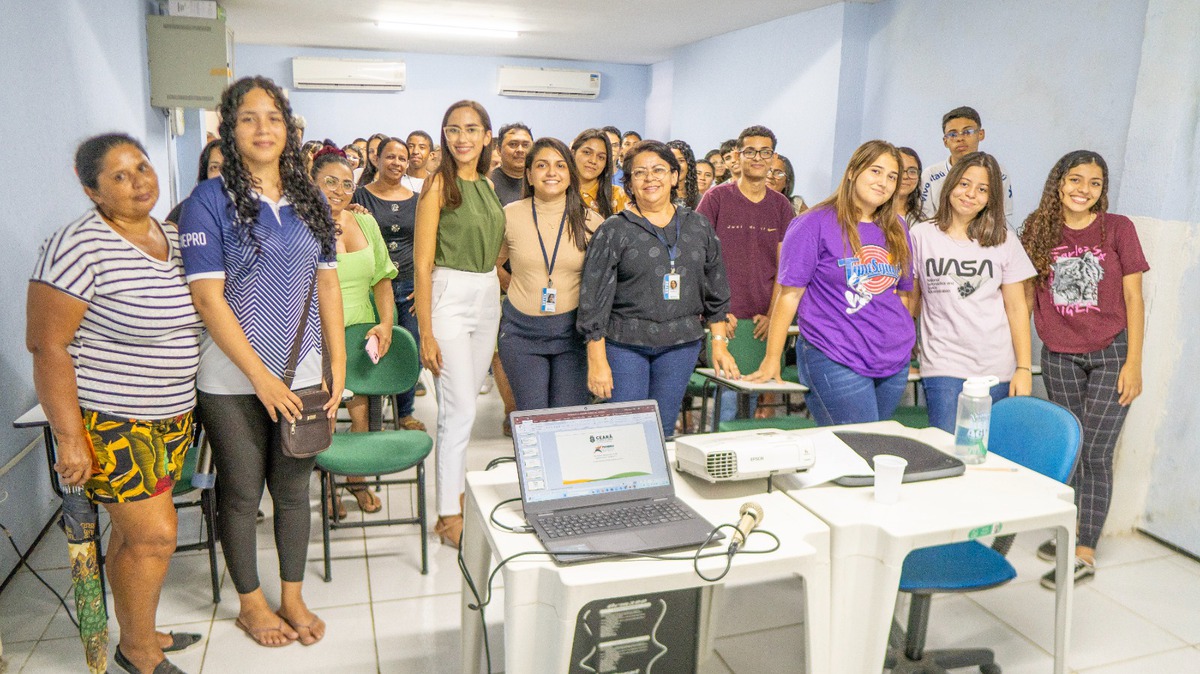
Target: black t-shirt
{"x":397,"y":220}
{"x":508,"y":189}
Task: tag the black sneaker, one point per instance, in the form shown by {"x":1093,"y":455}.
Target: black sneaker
{"x":1048,"y":551}
{"x":1083,"y":572}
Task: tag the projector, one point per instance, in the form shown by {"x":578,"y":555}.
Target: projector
{"x":743,"y":455}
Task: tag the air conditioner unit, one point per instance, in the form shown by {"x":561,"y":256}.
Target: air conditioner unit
{"x":348,"y":74}
{"x":548,"y":83}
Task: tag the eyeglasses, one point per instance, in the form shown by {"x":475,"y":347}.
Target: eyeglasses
{"x":967,"y":133}
{"x":468,"y":131}
{"x":776,"y":173}
{"x":658,"y":173}
{"x":332,"y":184}
{"x":751,"y":153}
{"x":912,"y":172}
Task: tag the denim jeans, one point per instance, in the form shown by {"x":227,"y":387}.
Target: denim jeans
{"x":839,"y":395}
{"x":658,"y":373}
{"x":408,"y":321}
{"x":941,"y":397}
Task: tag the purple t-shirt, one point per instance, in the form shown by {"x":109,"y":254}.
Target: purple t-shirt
{"x":850,"y":309}
{"x":750,"y":235}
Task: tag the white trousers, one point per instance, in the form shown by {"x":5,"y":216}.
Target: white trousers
{"x":466,"y":320}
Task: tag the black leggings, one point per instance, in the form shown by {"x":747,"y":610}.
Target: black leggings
{"x":247,"y":456}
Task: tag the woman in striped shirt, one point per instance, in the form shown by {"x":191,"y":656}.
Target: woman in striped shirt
{"x":115,"y":344}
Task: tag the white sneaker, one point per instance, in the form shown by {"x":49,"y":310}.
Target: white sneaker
{"x":488,"y":383}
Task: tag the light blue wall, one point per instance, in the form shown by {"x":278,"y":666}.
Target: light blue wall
{"x":436,"y":81}
{"x":783,"y":74}
{"x":73,"y":68}
{"x":1068,"y":85}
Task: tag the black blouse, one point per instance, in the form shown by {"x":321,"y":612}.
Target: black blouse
{"x":621,"y":295}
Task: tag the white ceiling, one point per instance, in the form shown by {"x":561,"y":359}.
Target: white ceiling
{"x":619,"y":31}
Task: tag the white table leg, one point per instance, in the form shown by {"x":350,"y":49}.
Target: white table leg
{"x":1064,"y":574}
{"x":477,"y":556}
{"x":863,"y":593}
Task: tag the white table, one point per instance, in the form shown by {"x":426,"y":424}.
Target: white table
{"x":870,"y":540}
{"x":542,"y":600}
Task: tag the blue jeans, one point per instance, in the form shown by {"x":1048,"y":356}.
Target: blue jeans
{"x":660,"y":373}
{"x":941,"y":397}
{"x":838,"y":395}
{"x":406,"y":320}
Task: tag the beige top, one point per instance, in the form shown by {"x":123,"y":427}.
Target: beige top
{"x":525,"y":255}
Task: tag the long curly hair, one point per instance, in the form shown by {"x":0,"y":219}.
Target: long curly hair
{"x":448,"y":170}
{"x":988,"y":228}
{"x":691,"y":193}
{"x":604,"y":186}
{"x":295,"y":184}
{"x":1042,"y":231}
{"x":886,"y":216}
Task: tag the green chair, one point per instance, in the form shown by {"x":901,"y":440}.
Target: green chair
{"x":697,"y":387}
{"x":185,"y":495}
{"x":912,"y":416}
{"x":784,"y":423}
{"x":378,"y":452}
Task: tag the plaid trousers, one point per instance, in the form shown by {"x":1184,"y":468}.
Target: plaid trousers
{"x":1086,"y":384}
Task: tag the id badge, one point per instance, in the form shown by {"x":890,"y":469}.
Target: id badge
{"x":670,"y":286}
{"x":549,"y":300}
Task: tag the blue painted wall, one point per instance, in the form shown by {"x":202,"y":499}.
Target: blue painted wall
{"x":435,"y":81}
{"x":73,"y":68}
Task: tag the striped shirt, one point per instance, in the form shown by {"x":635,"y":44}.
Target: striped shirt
{"x":137,"y":348}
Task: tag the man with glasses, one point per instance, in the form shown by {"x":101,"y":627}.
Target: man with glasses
{"x":509,"y":177}
{"x":962,"y":131}
{"x":750,"y":221}
{"x":419,"y":146}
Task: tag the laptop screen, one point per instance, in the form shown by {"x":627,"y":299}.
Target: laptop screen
{"x":595,"y":450}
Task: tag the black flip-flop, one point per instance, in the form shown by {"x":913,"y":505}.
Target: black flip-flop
{"x":181,"y":641}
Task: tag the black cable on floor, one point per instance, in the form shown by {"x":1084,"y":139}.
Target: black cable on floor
{"x":24,"y":561}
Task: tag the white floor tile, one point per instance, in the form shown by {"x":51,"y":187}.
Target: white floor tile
{"x":27,"y":606}
{"x":759,"y":606}
{"x":1171,"y":662}
{"x":51,"y":552}
{"x":958,"y":622}
{"x":1128,"y":548}
{"x":58,"y":655}
{"x":348,"y":587}
{"x":1158,"y":590}
{"x":421,"y":635}
{"x":775,"y":650}
{"x":348,"y":646}
{"x":394,"y":564}
{"x":15,"y":655}
{"x":1103,"y":630}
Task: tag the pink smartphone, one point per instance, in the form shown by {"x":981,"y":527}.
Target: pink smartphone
{"x":372,"y":348}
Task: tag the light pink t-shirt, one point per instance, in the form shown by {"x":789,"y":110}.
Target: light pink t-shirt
{"x":964,"y":330}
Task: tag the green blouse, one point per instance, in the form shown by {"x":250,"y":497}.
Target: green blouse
{"x":359,"y":271}
{"x":469,"y":237}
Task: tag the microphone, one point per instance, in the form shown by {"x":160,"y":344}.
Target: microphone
{"x":752,"y":514}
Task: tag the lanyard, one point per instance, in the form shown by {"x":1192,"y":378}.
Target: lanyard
{"x":672,"y":251}
{"x":548,"y":260}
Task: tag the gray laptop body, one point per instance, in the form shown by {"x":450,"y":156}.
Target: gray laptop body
{"x":590,"y":461}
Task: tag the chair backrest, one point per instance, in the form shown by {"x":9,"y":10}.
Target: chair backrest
{"x":747,"y":351}
{"x":395,"y":373}
{"x":1037,"y":434}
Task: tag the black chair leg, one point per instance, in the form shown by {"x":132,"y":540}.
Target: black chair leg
{"x":918,"y":626}
{"x":326,"y":505}
{"x":209,"y":510}
{"x":421,"y":515}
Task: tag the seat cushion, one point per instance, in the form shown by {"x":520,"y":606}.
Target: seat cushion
{"x":375,"y":453}
{"x":788,"y":423}
{"x":956,"y":567}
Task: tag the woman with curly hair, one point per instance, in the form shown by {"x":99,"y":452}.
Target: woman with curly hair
{"x":259,"y":250}
{"x":459,"y":230}
{"x":1087,"y":306}
{"x":846,"y":264}
{"x":686,"y":192}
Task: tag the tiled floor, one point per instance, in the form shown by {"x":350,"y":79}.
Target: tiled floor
{"x":1141,"y":614}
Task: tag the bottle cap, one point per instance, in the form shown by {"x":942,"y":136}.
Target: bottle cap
{"x":979,"y":387}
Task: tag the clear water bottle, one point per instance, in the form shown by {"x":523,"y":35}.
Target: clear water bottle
{"x":974,"y":419}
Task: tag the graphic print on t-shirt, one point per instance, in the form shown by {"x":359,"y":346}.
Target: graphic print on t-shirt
{"x":967,"y":275}
{"x":1075,"y":279}
{"x":868,"y":274}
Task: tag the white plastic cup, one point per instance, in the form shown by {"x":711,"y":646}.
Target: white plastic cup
{"x":889,"y":472}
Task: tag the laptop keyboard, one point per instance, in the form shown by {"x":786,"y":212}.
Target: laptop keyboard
{"x":559,"y":526}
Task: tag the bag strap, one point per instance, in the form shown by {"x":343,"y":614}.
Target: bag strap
{"x":289,"y":373}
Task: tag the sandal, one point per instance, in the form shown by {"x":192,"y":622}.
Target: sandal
{"x":181,"y":641}
{"x":256,"y":633}
{"x":315,"y":621}
{"x":449,"y":529}
{"x":411,"y":423}
{"x":368,"y":502}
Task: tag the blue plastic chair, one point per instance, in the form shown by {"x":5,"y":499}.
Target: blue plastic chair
{"x":1030,"y":431}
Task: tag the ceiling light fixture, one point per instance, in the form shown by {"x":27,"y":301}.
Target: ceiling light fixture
{"x":442,"y":29}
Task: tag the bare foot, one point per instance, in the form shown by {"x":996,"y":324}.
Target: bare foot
{"x":308,"y":626}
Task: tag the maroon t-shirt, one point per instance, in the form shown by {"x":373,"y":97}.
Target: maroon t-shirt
{"x":750,"y":235}
{"x":1082,"y":308}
